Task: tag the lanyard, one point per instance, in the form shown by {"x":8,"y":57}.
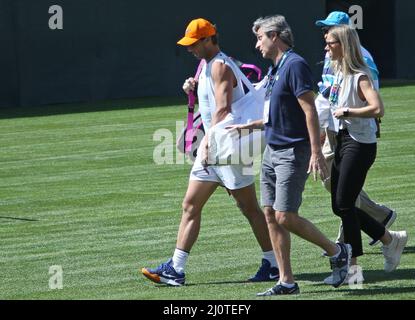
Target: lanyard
{"x":273,"y":74}
{"x":334,"y":91}
{"x":334,"y":100}
{"x":190,"y":131}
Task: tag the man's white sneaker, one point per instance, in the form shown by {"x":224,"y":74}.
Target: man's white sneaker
{"x":393,"y":251}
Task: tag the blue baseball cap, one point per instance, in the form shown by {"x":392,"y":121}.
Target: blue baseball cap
{"x":333,"y":19}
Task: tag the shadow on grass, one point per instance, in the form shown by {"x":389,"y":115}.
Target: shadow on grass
{"x":18,"y":219}
{"x":219,"y":283}
{"x":94,"y":106}
{"x":380,"y":290}
{"x":371,"y":276}
{"x":407,"y":250}
{"x":369,"y":291}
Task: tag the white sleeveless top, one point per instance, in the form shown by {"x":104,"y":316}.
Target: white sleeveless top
{"x":205,"y":90}
{"x":362,"y":130}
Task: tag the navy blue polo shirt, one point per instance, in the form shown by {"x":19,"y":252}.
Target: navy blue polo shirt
{"x":287,"y":123}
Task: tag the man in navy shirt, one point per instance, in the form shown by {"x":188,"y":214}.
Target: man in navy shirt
{"x":293,"y":151}
{"x":286,"y":123}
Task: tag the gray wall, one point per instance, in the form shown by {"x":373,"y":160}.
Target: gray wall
{"x":9,"y":73}
{"x":124,"y":48}
{"x":113,"y":49}
{"x":405,"y":39}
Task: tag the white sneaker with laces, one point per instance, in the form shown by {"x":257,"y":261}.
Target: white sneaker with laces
{"x":393,"y":251}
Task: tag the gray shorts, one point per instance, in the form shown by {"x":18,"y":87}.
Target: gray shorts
{"x":283,"y":176}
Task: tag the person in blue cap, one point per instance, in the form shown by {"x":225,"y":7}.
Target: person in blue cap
{"x":379,"y":212}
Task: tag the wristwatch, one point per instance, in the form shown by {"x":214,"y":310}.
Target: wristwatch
{"x":346,"y":112}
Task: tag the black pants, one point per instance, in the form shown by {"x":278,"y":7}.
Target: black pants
{"x":351,"y":163}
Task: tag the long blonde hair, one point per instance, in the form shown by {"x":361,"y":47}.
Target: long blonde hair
{"x":352,"y":61}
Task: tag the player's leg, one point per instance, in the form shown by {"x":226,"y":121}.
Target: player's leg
{"x":248,"y":204}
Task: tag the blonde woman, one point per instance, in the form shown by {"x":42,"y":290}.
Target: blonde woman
{"x":355,"y":104}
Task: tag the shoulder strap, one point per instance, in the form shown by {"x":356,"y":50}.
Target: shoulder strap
{"x":240,"y":74}
{"x":254,"y":68}
{"x":191,"y":99}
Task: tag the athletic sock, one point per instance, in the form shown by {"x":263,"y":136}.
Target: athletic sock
{"x":179,"y":260}
{"x":338,"y":252}
{"x":287,"y":285}
{"x":270,"y":256}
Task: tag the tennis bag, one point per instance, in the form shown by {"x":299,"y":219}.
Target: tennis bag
{"x":191,"y":136}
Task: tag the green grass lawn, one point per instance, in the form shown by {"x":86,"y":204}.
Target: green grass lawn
{"x":79,"y":189}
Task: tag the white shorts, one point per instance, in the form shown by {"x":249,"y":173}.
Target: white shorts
{"x":233,"y":177}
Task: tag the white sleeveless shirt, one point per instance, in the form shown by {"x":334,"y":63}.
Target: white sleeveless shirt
{"x":205,"y":90}
{"x":362,"y":130}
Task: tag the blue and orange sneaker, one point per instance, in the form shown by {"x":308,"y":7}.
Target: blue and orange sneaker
{"x":266,"y":273}
{"x":164,"y":273}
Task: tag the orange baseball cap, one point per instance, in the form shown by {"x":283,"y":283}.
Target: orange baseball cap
{"x":196,"y":30}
